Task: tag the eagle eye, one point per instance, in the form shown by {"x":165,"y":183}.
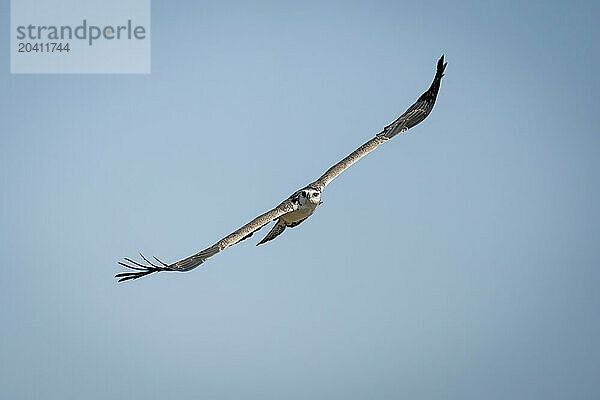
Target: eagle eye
{"x":315,"y":194}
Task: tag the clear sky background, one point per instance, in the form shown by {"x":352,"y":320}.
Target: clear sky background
{"x":458,"y":261}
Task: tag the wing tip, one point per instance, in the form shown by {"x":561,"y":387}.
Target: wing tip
{"x":126,"y":276}
{"x":139,"y":270}
{"x":441,"y":66}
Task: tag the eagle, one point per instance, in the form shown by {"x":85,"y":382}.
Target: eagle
{"x":302,"y":203}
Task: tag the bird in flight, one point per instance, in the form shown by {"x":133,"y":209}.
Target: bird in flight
{"x":300,"y":205}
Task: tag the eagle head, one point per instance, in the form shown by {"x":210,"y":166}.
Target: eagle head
{"x":310,"y":196}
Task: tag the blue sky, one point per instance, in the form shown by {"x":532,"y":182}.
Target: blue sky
{"x":458,"y":261}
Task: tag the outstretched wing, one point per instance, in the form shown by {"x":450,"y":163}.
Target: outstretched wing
{"x":411,"y":117}
{"x":146,"y":267}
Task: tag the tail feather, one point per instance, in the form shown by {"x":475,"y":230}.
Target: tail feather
{"x":277,"y":230}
